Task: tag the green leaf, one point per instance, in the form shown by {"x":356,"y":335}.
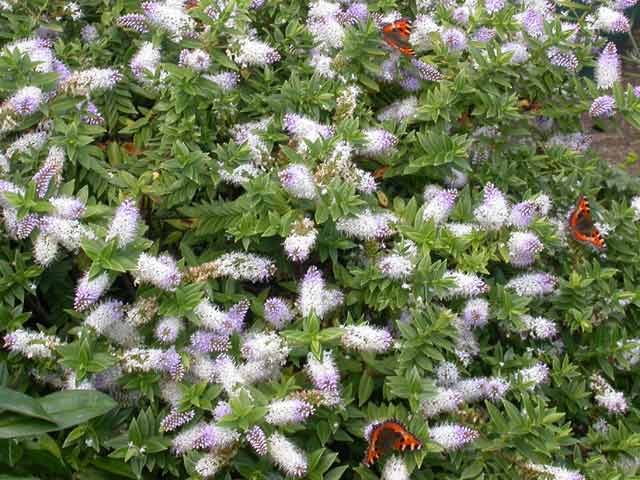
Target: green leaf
{"x":336,"y":473}
{"x":365,"y":389}
{"x":67,"y":409}
{"x":17,"y":402}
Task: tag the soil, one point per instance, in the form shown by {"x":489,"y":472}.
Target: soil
{"x":620,"y":142}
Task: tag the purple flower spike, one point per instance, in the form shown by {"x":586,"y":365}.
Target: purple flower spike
{"x":26,"y":100}
{"x":172,"y":364}
{"x":476,"y":313}
{"x":51,"y":169}
{"x":454,"y":39}
{"x":286,"y":412}
{"x":493,"y":6}
{"x":439,"y":203}
{"x":533,"y":284}
{"x":610,"y":21}
{"x":566,"y":60}
{"x":256,"y":53}
{"x":494,"y":211}
{"x":523,"y":247}
{"x":603,"y":107}
{"x":227,"y":81}
{"x":484,"y":34}
{"x":258,"y":440}
{"x":168,"y":329}
{"x":277,"y":312}
{"x":197,"y":60}
{"x":608,"y":67}
{"x":315,"y":297}
{"x":93,"y":117}
{"x":325,"y":376}
{"x":20,"y":229}
{"x":357,"y":12}
{"x":365,"y":338}
{"x":451,"y":436}
{"x":466,"y":285}
{"x":298,"y":181}
{"x":409,"y":83}
{"x":209,"y":342}
{"x":124,"y":224}
{"x":555,"y":473}
{"x":533,"y":23}
{"x":539,"y":328}
{"x":304,"y":128}
{"x":176,"y":419}
{"x":89,"y":292}
{"x":161,"y":271}
{"x":133,"y":21}
{"x":378,"y":142}
{"x":426,"y":71}
{"x":367,"y":225}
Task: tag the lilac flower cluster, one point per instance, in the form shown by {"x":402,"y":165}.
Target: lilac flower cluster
{"x":523,"y":247}
{"x":539,"y":327}
{"x":89,"y":291}
{"x":300,"y":242}
{"x":85,"y":82}
{"x":438,"y":203}
{"x":252,"y":52}
{"x":284,"y":412}
{"x":258,"y":440}
{"x":145,"y":63}
{"x":124,"y":225}
{"x":277,"y":312}
{"x":219,"y":322}
{"x":170,"y":17}
{"x":534,"y":284}
{"x":325,"y":376}
{"x":244,"y":266}
{"x":466,"y":285}
{"x":315,"y":297}
{"x":493,"y":213}
{"x":31,"y":344}
{"x":534,"y":376}
{"x":366,"y":338}
{"x":367,"y":225}
{"x":555,"y":473}
{"x":161,"y":271}
{"x":299,"y":182}
{"x":304,"y":129}
{"x":289,"y":458}
{"x":607,"y":397}
{"x":452,"y":437}
{"x":339,"y":164}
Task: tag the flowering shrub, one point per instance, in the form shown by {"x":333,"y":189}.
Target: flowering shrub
{"x":237,"y":235}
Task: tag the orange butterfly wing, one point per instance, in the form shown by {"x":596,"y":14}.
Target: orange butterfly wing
{"x":389,"y":435}
{"x":581,"y":225}
{"x":397,"y":35}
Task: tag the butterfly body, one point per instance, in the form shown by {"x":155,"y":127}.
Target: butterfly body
{"x":397,"y":34}
{"x":389,"y":436}
{"x":581,"y":225}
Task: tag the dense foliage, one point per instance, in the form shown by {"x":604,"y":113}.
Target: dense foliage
{"x":238,"y":234}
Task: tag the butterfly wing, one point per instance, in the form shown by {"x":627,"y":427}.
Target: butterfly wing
{"x":581,"y":225}
{"x":397,"y":35}
{"x":372,"y":453}
{"x":408,"y":440}
{"x":388,"y":436}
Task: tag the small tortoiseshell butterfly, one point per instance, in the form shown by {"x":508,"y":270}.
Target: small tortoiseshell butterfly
{"x":387,"y":436}
{"x":582,"y":227}
{"x":397,"y":33}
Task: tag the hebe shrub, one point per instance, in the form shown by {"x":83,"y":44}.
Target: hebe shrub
{"x":237,"y":234}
